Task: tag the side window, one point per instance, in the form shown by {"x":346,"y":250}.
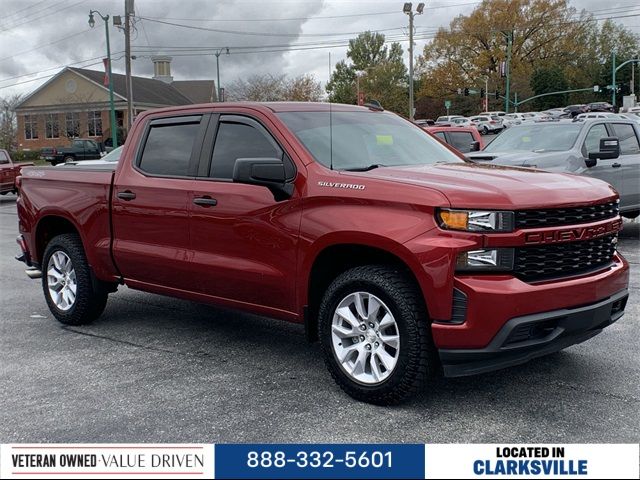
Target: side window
{"x":78,"y":144}
{"x":592,"y":141}
{"x":627,"y":137}
{"x":4,"y":158}
{"x":239,"y":140}
{"x":441,"y":136}
{"x":169,"y":147}
{"x":461,"y":141}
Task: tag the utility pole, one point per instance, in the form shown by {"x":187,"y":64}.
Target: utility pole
{"x":507,"y":90}
{"x":128,"y":12}
{"x":613,"y":78}
{"x":486,"y":94}
{"x":408,"y":9}
{"x":217,"y":54}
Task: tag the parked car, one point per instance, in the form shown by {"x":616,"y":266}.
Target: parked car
{"x":462,"y":122}
{"x":80,"y":149}
{"x":554,"y":113}
{"x":601,"y":107}
{"x":486,"y":124}
{"x":634,"y":117}
{"x":584,"y":116}
{"x":511,"y":120}
{"x":425,"y":122}
{"x":497,"y":113}
{"x":575,"y":110}
{"x":9,"y":171}
{"x":400,"y":256}
{"x":570,"y":146}
{"x":446,"y":119}
{"x":110,"y":158}
{"x":465,"y":139}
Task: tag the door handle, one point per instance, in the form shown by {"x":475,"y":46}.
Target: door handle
{"x":126,"y":195}
{"x":205,"y":201}
{"x":616,"y":165}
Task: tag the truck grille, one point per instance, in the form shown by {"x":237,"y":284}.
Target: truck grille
{"x":565,"y":216}
{"x":563,"y":260}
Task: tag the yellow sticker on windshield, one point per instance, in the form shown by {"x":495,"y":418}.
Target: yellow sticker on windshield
{"x":384,"y":139}
{"x":526,"y":139}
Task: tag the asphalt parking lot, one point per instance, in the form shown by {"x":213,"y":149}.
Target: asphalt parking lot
{"x":155,"y":369}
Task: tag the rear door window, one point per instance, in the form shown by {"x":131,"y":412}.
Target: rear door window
{"x":461,"y":141}
{"x":170,"y":147}
{"x":627,"y":137}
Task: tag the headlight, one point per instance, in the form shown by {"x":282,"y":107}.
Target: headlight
{"x":476,"y":220}
{"x":492,"y":260}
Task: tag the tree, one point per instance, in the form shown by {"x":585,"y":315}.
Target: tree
{"x":381,"y":71}
{"x":547,"y":80}
{"x":8,"y":121}
{"x":546,"y":33}
{"x":275,"y":88}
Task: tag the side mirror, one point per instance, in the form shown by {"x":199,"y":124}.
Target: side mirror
{"x":609,"y":149}
{"x":474,"y":147}
{"x":266,"y":172}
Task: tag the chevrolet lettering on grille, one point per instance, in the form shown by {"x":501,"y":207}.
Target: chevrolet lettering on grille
{"x":572,"y":234}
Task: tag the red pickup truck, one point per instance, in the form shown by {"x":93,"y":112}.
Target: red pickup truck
{"x":402,"y":257}
{"x":9,"y":171}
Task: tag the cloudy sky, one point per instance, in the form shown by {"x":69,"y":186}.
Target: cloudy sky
{"x":38,"y":37}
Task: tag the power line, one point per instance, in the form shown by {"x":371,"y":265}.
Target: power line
{"x":45,"y":44}
{"x":7,"y":28}
{"x":261,"y":34}
{"x":28,"y":7}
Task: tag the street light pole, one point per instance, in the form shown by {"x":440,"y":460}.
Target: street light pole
{"x":114,"y":126}
{"x":507,"y":90}
{"x":408,"y":9}
{"x":217,"y":54}
{"x":613,"y":78}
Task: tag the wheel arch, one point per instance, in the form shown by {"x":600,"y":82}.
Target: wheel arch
{"x":50,"y":226}
{"x":331,"y":259}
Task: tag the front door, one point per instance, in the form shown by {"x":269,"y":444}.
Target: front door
{"x":243,"y":240}
{"x":607,"y":170}
{"x":629,"y":162}
{"x":151,"y":203}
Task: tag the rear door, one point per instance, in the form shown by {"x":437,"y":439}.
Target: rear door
{"x":607,"y":170}
{"x":151,"y":203}
{"x":629,"y":163}
{"x":244,"y":241}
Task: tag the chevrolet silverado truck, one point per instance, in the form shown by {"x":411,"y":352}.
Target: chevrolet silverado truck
{"x":400,"y":256}
{"x":80,"y":149}
{"x":9,"y":171}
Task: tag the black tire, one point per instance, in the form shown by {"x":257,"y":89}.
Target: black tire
{"x":485,"y":130}
{"x":417,"y":359}
{"x":91,"y":296}
{"x":68,"y":159}
{"x":631,"y":215}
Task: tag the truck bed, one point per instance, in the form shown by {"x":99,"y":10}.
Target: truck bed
{"x":82,"y":192}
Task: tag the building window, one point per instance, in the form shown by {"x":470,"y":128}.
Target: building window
{"x":72,"y":121}
{"x":51,"y":126}
{"x":95,"y":124}
{"x":30,"y":127}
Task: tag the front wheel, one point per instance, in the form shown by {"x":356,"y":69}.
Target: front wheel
{"x":485,"y":130}
{"x":375,"y":334}
{"x":72,"y":295}
{"x":68,"y":159}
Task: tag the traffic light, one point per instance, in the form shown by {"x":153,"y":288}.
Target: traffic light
{"x":482,"y":93}
{"x":497,"y":95}
{"x":466,"y":92}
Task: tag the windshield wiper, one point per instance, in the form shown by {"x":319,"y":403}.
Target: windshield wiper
{"x":365,"y":169}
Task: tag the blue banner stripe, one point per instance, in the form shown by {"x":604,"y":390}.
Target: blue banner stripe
{"x":318,"y":461}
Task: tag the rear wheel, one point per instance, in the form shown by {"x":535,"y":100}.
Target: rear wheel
{"x":375,"y":334}
{"x":485,"y":130}
{"x":69,"y":159}
{"x":72,"y":295}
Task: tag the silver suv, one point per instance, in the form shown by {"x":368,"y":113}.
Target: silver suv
{"x":604,"y":148}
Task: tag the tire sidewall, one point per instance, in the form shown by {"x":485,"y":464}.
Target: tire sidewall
{"x":401,"y":313}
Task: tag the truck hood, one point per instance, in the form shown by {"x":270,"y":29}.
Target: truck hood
{"x":516,"y":158}
{"x":488,"y":186}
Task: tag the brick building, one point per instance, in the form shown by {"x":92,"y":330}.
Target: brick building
{"x":75,"y":103}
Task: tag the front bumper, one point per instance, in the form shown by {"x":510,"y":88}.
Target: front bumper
{"x":530,"y":336}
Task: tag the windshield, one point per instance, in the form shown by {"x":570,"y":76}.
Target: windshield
{"x":536,"y":138}
{"x":362,"y":139}
{"x":113,"y":155}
